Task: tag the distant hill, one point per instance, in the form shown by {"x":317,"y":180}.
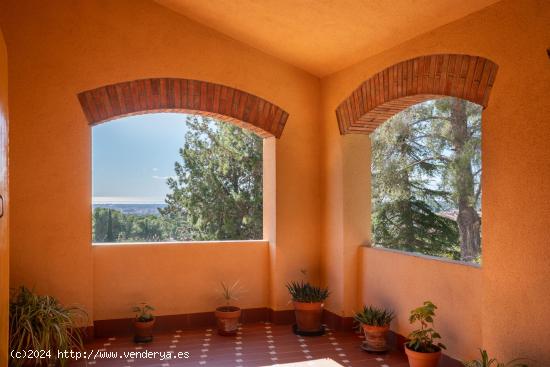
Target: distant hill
{"x":137,"y":209}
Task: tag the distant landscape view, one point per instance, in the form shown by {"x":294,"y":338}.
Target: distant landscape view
{"x":199,"y":183}
{"x":128,"y":223}
{"x":137,"y":209}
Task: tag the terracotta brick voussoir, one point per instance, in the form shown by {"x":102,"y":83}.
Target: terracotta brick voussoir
{"x":228,"y":104}
{"x":413,"y":81}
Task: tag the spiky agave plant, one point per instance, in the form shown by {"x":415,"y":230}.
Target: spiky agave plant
{"x":307,"y":293}
{"x":230,"y":293}
{"x":374,"y":316}
{"x":485,"y":361}
{"x":41,"y":323}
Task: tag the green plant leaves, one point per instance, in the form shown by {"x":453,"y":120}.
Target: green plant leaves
{"x":42,"y":323}
{"x":485,"y":361}
{"x":143,"y":312}
{"x":305,"y":292}
{"x":423,"y":339}
{"x":231,"y":292}
{"x":374,"y":316}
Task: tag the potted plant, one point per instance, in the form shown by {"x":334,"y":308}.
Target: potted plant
{"x":143,"y":323}
{"x":308,"y":305}
{"x":422,"y":348}
{"x":41,"y":323}
{"x":375,"y":323}
{"x":485,"y":361}
{"x":227,"y":316}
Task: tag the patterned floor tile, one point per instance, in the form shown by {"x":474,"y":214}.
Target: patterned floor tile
{"x":255,"y":345}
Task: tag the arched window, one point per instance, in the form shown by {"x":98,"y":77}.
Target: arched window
{"x":426,"y":161}
{"x":215,"y":188}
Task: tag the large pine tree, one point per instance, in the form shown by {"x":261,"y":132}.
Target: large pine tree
{"x":426,"y":161}
{"x":217,"y":192}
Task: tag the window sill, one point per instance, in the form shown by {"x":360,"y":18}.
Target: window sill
{"x":177,"y":243}
{"x":425,"y":257}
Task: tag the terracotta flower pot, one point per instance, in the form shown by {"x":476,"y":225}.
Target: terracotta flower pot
{"x":227,"y":318}
{"x":375,"y":337}
{"x":308,"y":315}
{"x":143,"y":331}
{"x":417,"y":359}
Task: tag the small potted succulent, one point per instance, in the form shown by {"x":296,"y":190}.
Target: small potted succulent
{"x":227,"y":316}
{"x":485,"y":361}
{"x":375,"y":323}
{"x":422,"y":349}
{"x":143,"y":323}
{"x":308,"y":306}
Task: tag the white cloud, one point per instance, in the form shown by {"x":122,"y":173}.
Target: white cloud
{"x":162,"y":177}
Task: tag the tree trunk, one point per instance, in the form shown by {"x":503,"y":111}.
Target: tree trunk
{"x":469,"y":228}
{"x":110,"y":236}
{"x":468,"y":220}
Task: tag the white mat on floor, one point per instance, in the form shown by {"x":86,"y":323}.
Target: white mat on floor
{"x":326,"y":362}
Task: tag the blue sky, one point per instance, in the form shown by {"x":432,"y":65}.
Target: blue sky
{"x":133,"y":156}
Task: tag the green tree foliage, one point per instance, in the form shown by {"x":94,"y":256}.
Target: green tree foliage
{"x":110,"y":225}
{"x":217,"y":194}
{"x":426,"y":161}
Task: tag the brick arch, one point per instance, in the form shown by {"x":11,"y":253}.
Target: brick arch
{"x":413,"y":81}
{"x":183,"y":95}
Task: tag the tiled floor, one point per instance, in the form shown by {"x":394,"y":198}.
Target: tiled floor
{"x":260,"y":344}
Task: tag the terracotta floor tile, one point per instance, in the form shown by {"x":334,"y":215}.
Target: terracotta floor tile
{"x":256,"y":345}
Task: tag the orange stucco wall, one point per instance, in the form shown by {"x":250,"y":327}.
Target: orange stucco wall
{"x":402,"y":281}
{"x":321,"y":214}
{"x":68,"y":47}
{"x":4,"y":239}
{"x":178,"y":278}
{"x":512,"y":313}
